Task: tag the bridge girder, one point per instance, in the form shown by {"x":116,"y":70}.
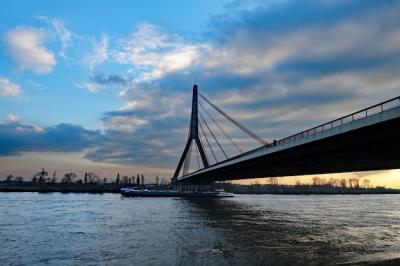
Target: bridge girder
{"x":374,"y":147}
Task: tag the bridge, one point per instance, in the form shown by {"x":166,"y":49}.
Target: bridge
{"x":365,"y":140}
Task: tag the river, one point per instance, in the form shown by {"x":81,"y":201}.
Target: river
{"x":107,"y":229}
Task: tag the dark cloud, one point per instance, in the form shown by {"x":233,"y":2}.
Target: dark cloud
{"x":16,"y":138}
{"x":272,"y":18}
{"x":111,"y":79}
{"x":145,"y":146}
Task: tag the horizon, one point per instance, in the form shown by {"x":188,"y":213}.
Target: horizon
{"x":107,"y":88}
{"x":308,"y":180}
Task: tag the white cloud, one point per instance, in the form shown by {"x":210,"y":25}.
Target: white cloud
{"x":91,"y":86}
{"x":8,"y":88}
{"x":153,"y":102}
{"x":61,"y":31}
{"x":12,"y":118}
{"x":125,"y":123}
{"x":237,"y":58}
{"x":156,"y":53}
{"x":99,"y":54}
{"x":26,"y":46}
{"x":15,"y":119}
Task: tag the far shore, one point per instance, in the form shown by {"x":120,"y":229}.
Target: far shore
{"x":306,"y":189}
{"x":24,"y":186}
{"x":58,"y":187}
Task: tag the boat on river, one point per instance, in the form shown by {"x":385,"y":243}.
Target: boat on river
{"x":134,"y":192}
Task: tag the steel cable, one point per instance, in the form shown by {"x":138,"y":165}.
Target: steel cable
{"x":212,"y":134}
{"x":220,"y":128}
{"x":245,"y":129}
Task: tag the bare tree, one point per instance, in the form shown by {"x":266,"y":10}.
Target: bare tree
{"x":118,"y":180}
{"x":274,"y":181}
{"x":366,"y":183}
{"x":354,"y":183}
{"x":54,"y":180}
{"x":9,"y":178}
{"x":68,"y":178}
{"x":343,"y":183}
{"x":333,"y":182}
{"x":316,"y":181}
{"x":92,"y":178}
{"x":43,"y":176}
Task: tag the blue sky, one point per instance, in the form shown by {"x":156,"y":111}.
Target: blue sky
{"x":105,"y":86}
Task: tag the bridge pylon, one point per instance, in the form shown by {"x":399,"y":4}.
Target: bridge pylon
{"x":193,"y":136}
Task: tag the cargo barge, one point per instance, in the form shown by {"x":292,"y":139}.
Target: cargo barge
{"x":132,"y":192}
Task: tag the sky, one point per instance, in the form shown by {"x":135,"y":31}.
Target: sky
{"x":105,"y":86}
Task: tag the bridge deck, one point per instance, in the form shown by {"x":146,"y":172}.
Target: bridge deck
{"x":362,"y":141}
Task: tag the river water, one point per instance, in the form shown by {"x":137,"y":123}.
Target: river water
{"x":107,"y":229}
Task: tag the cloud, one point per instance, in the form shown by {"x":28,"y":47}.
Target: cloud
{"x":61,"y":31}
{"x":26,"y":47}
{"x":109,"y":146}
{"x":99,"y":53}
{"x":12,"y":118}
{"x":16,"y":138}
{"x":91,"y":86}
{"x":124,"y":123}
{"x":155,"y":53}
{"x":101,"y":81}
{"x":136,"y":142}
{"x":111,"y":79}
{"x":278,"y":67}
{"x":8,"y":88}
{"x":366,"y":35}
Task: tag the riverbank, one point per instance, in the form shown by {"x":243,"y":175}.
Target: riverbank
{"x":305,"y":189}
{"x":58,"y":187}
{"x":15,"y":186}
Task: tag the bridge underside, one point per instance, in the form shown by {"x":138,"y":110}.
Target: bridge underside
{"x":375,"y":147}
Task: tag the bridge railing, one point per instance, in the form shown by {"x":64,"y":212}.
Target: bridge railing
{"x":372,"y":110}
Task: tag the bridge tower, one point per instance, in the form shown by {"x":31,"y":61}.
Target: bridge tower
{"x":193,"y":136}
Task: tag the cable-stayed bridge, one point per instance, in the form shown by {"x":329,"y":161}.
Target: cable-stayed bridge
{"x":362,"y":141}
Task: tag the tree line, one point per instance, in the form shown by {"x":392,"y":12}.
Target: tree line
{"x":331,"y":182}
{"x":44,"y":176}
{"x":317,"y":185}
{"x":339,"y":182}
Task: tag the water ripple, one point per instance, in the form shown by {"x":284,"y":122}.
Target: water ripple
{"x":107,"y":229}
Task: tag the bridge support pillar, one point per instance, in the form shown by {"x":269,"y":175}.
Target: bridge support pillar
{"x":193,"y":136}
